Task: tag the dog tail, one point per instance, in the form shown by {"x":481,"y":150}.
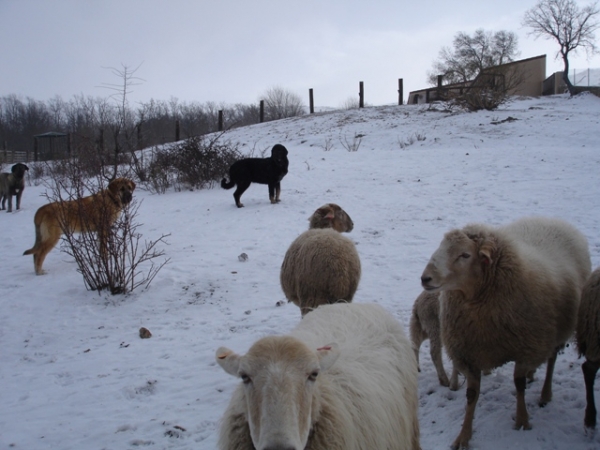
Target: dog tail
{"x":36,"y":246}
{"x":32,"y":250}
{"x":226,"y":185}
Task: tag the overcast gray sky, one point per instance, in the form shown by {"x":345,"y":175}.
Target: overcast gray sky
{"x":232,"y":51}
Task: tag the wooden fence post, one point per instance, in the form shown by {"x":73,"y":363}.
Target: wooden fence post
{"x":361,"y":95}
{"x":311,"y":101}
{"x":400,"y":91}
{"x":262,"y":111}
{"x":220,"y":125}
{"x":177,"y":130}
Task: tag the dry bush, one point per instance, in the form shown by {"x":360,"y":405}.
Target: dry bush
{"x":159,"y":174}
{"x":492,"y":88}
{"x":37,"y":172}
{"x":115,"y":263}
{"x":196,"y":163}
{"x":354,"y":144}
{"x":91,"y":157}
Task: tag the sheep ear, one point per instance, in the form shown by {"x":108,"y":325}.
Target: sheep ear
{"x":328,"y":354}
{"x":326,"y":212}
{"x":228,"y":360}
{"x":486,"y":251}
{"x":485,"y":257}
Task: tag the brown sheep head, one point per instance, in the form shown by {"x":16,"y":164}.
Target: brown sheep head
{"x":333,"y":216}
{"x":459,"y":263}
{"x":280,"y":377}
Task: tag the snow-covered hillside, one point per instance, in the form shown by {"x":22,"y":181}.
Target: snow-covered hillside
{"x":75,"y":375}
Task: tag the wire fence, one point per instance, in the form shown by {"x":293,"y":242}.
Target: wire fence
{"x":585,"y":77}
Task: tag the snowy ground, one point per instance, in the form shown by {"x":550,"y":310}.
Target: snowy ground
{"x":75,"y":375}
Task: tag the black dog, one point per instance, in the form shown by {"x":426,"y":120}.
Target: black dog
{"x":12,"y":184}
{"x":258,"y":170}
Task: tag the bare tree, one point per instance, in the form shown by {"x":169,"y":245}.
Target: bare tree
{"x":280,"y":103}
{"x":569,"y":25}
{"x":123,"y":127}
{"x":471,"y":54}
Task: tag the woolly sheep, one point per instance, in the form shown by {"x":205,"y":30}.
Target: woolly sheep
{"x":588,"y":341}
{"x":333,"y":216}
{"x":321,"y":266}
{"x":425,"y":324}
{"x":507,"y":294}
{"x":344,"y":379}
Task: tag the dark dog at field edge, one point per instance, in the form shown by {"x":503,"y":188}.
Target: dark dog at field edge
{"x":97,"y":212}
{"x":12,"y":184}
{"x":268,"y":171}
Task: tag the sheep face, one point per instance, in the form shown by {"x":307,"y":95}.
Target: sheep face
{"x":455,"y":265}
{"x":331,"y":216}
{"x":280,"y":377}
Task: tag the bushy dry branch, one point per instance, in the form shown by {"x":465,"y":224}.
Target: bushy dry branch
{"x":119,"y":262}
{"x":194,"y":164}
{"x":492,"y":88}
{"x":351,"y":146}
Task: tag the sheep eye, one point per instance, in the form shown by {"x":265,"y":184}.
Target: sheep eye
{"x":245,"y":378}
{"x":465,"y":255}
{"x":313,"y":376}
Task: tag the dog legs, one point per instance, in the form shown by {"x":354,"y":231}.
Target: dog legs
{"x":9,"y":197}
{"x":45,"y":241}
{"x":19,"y":194}
{"x":241,"y":188}
{"x":10,"y":203}
{"x":40,"y":255}
{"x":274,"y":192}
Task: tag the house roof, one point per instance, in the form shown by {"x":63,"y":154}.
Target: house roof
{"x":50,"y":134}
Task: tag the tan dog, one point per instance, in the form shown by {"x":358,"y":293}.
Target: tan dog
{"x":93,"y":213}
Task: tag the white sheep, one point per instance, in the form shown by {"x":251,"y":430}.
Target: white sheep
{"x":321,"y":266}
{"x":425,"y":324}
{"x":588,"y":341}
{"x":344,"y":379}
{"x":507,"y":294}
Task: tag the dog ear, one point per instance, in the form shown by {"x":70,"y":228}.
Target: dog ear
{"x":279,"y":149}
{"x":113,"y":187}
{"x":19,"y":169}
